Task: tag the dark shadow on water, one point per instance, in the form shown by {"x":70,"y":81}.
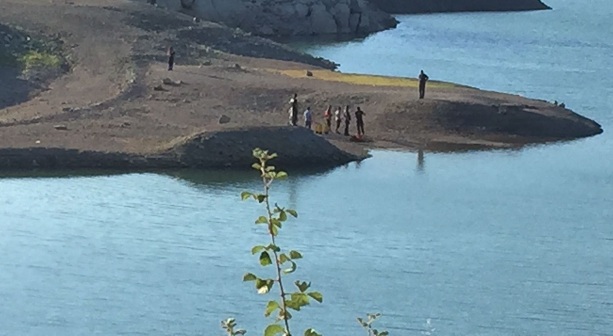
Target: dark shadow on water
{"x":233,"y":177}
{"x":211,"y":177}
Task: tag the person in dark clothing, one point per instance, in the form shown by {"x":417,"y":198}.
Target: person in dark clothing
{"x":293,"y":110}
{"x":347,"y":116}
{"x":171,"y":58}
{"x":423,"y":78}
{"x":359,"y":120}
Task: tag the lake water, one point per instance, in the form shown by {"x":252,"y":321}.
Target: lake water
{"x":486,"y":243}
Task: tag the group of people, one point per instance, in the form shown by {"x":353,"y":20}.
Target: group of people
{"x":339,"y":115}
{"x":342,"y":115}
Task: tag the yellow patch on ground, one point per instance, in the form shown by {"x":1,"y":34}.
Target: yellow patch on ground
{"x":358,"y":79}
{"x":36,"y":59}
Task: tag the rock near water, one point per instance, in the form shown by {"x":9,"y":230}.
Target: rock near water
{"x":292,"y":17}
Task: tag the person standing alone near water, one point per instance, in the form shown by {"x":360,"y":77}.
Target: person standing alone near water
{"x":423,"y":78}
{"x":359,"y":120}
{"x":347,"y":116}
{"x":171,"y":58}
{"x":293,"y":110}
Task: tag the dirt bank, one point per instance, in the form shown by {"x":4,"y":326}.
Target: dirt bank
{"x":119,"y":106}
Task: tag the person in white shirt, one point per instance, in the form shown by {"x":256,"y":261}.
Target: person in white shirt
{"x":293,"y":110}
{"x":338,"y":118}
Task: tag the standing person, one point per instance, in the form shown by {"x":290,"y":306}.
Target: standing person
{"x":293,"y":110}
{"x":308,"y":118}
{"x":347,"y":116}
{"x":359,"y":120}
{"x":328,"y":117}
{"x":423,"y":78}
{"x":338,"y":118}
{"x":171,"y":58}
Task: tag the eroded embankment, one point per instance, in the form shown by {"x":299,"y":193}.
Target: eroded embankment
{"x":297,"y":148}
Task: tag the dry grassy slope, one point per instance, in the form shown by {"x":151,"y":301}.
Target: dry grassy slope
{"x":108,"y":101}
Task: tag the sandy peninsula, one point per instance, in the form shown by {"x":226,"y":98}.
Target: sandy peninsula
{"x":85,"y":85}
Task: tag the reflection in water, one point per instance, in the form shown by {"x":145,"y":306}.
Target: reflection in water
{"x":292,"y":188}
{"x":420,"y":161}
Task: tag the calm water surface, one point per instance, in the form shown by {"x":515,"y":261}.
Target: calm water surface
{"x":487,"y":243}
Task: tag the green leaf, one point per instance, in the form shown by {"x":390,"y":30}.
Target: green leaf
{"x":273,"y":230}
{"x":273,"y":247}
{"x":271,"y":307}
{"x":293,"y":305}
{"x":261,"y":198}
{"x":302,"y":286}
{"x":257,"y":249}
{"x":317,"y":296}
{"x":256,"y":166}
{"x":276,"y":222}
{"x":297,"y":301}
{"x":283,"y":258}
{"x":292,"y":269}
{"x":281,"y":175}
{"x":245,"y":195}
{"x":261,"y":220}
{"x":270,"y":168}
{"x":273,"y":330}
{"x":263,"y":286}
{"x":311,"y":332}
{"x":292,"y":212}
{"x":295,"y":254}
{"x":282,"y":216}
{"x":265,"y":259}
{"x":249,"y":277}
{"x":384,"y":333}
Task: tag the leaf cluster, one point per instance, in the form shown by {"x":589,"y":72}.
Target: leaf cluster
{"x":368,"y":322}
{"x":229,"y":325}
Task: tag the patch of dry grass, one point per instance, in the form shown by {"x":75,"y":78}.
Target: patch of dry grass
{"x":358,"y":79}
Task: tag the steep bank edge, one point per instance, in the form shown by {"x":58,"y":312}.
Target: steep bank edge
{"x":297,"y":148}
{"x":442,"y":6}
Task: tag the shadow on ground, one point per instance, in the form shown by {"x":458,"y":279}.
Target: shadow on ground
{"x":13,"y":89}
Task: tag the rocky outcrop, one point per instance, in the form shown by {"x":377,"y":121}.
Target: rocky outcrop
{"x":297,"y":147}
{"x":291,"y":17}
{"x":433,"y":6}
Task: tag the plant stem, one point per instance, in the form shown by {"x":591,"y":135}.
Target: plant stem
{"x":267,"y":183}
